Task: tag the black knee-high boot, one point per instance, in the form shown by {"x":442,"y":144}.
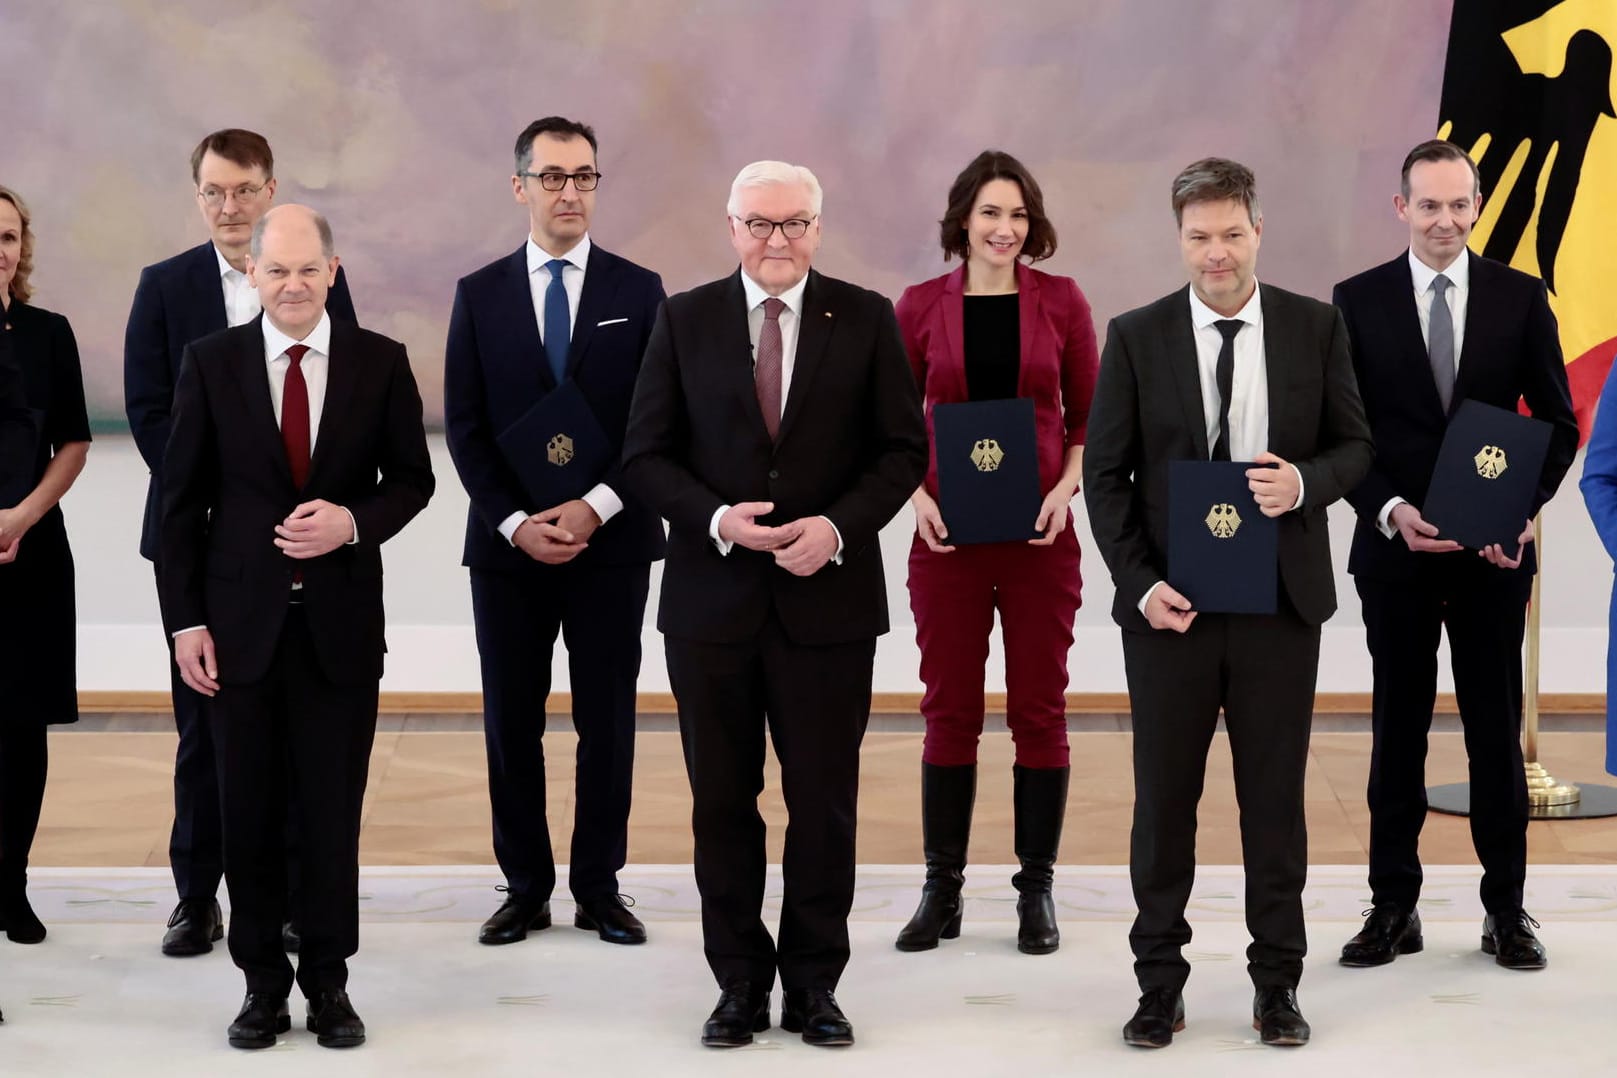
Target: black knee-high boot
{"x":947,"y":796}
{"x":1040,"y":798}
{"x":23,"y":764}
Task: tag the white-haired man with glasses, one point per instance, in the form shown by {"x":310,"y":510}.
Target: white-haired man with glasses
{"x":777,"y":427}
{"x":180,"y":300}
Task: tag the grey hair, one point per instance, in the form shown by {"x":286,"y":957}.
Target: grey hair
{"x":1216,"y":179}
{"x":767,"y":173}
{"x":328,"y":247}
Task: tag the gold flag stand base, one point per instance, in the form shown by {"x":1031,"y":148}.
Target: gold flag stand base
{"x":1544,"y":792}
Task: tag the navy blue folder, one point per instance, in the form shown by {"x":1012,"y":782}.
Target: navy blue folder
{"x":1223,"y":554}
{"x":557,"y":448}
{"x":19,"y":453}
{"x":988,"y":470}
{"x":1486,"y":476}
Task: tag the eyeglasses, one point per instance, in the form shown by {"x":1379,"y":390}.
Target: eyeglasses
{"x":555,"y":181}
{"x":793,"y":228}
{"x":215,"y":196}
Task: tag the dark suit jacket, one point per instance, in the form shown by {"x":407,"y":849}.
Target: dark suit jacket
{"x":851,"y":447}
{"x":1511,"y":351}
{"x":1058,"y":357}
{"x":495,"y":370}
{"x":176,"y":302}
{"x":1148,"y":411}
{"x":227,"y":485}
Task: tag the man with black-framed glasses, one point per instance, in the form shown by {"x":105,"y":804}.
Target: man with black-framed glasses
{"x":179,"y":300}
{"x":556,"y":317}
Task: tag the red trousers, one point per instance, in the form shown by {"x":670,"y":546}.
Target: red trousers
{"x":954,"y":596}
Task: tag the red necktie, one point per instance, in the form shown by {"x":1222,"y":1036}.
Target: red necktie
{"x":767,"y":370}
{"x":295,"y":417}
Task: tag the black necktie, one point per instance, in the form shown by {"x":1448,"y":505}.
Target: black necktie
{"x":1225,"y":373}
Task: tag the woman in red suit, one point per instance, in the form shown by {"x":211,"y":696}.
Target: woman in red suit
{"x":996,"y":328}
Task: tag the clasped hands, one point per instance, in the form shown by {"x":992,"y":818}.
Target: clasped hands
{"x":558,"y":534}
{"x":14,"y":523}
{"x":802,"y":547}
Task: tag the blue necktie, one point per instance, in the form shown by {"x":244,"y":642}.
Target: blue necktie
{"x":558,"y":329}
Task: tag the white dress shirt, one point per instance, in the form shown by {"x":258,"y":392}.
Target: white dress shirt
{"x":790,"y":319}
{"x":601,"y":498}
{"x":1459,"y":292}
{"x":241,"y":298}
{"x":1249,"y":385}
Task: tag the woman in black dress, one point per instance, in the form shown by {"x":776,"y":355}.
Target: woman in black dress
{"x":44,"y":437}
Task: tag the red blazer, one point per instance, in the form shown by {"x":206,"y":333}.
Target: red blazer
{"x":1059,"y":358}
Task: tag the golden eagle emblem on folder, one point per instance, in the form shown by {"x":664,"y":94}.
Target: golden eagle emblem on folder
{"x":987,"y":455}
{"x":1223,"y":521}
{"x":1490,"y":461}
{"x":559,"y":450}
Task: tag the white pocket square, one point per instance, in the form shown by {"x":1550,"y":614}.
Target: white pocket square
{"x":610,"y":322}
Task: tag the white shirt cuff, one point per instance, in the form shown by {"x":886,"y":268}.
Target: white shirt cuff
{"x":182,"y":632}
{"x":1298,"y":504}
{"x":1384,"y":518}
{"x":605,"y":501}
{"x":713,"y":530}
{"x":1147,"y":597}
{"x":352,"y":524}
{"x":509,"y":526}
{"x":837,"y":557}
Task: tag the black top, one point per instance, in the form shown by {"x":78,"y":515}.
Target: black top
{"x":993,"y":346}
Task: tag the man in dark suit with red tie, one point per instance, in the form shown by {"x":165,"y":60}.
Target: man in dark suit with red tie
{"x":177,"y":301}
{"x":559,"y":311}
{"x":777,"y":427}
{"x":1436,"y":326}
{"x":296,"y":451}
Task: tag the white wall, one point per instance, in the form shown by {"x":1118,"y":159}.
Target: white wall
{"x":429,"y":610}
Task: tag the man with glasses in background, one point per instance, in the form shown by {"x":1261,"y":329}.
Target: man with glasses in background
{"x":196,"y":293}
{"x":558,"y":319}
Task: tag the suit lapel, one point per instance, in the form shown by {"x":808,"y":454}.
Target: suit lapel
{"x":813,"y":335}
{"x":735,"y":348}
{"x":954,"y":331}
{"x":342,"y":375}
{"x":516,"y":296}
{"x":1476,"y":312}
{"x":1179,"y":346}
{"x":1027,"y":287}
{"x":1279,"y":335}
{"x":1406,"y":319}
{"x":251,"y":373}
{"x":209,"y":289}
{"x":594,"y":303}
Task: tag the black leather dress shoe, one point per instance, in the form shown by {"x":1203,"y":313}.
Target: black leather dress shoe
{"x":516,"y":917}
{"x":609,"y":917}
{"x":814,"y":1013}
{"x":333,"y":1022}
{"x":742,"y":1011}
{"x":1388,"y":932}
{"x":1160,"y":1015}
{"x":1276,"y":1018}
{"x":193,"y":928}
{"x":1509,"y":938}
{"x":261,"y":1018}
{"x":291,"y":937}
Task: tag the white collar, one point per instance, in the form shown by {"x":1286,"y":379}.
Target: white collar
{"x":792,"y":297}
{"x":1202,"y":316}
{"x":1458,"y":273}
{"x":276,"y":343}
{"x":225,"y":268}
{"x":578,"y":256}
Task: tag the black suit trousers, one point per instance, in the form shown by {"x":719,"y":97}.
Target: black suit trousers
{"x":1260,"y":670}
{"x":814,"y":703}
{"x":296,"y":741}
{"x":599,"y":612}
{"x":195,"y":856}
{"x":1483,"y":610}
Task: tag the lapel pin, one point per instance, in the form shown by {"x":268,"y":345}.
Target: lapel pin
{"x":828,"y":314}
